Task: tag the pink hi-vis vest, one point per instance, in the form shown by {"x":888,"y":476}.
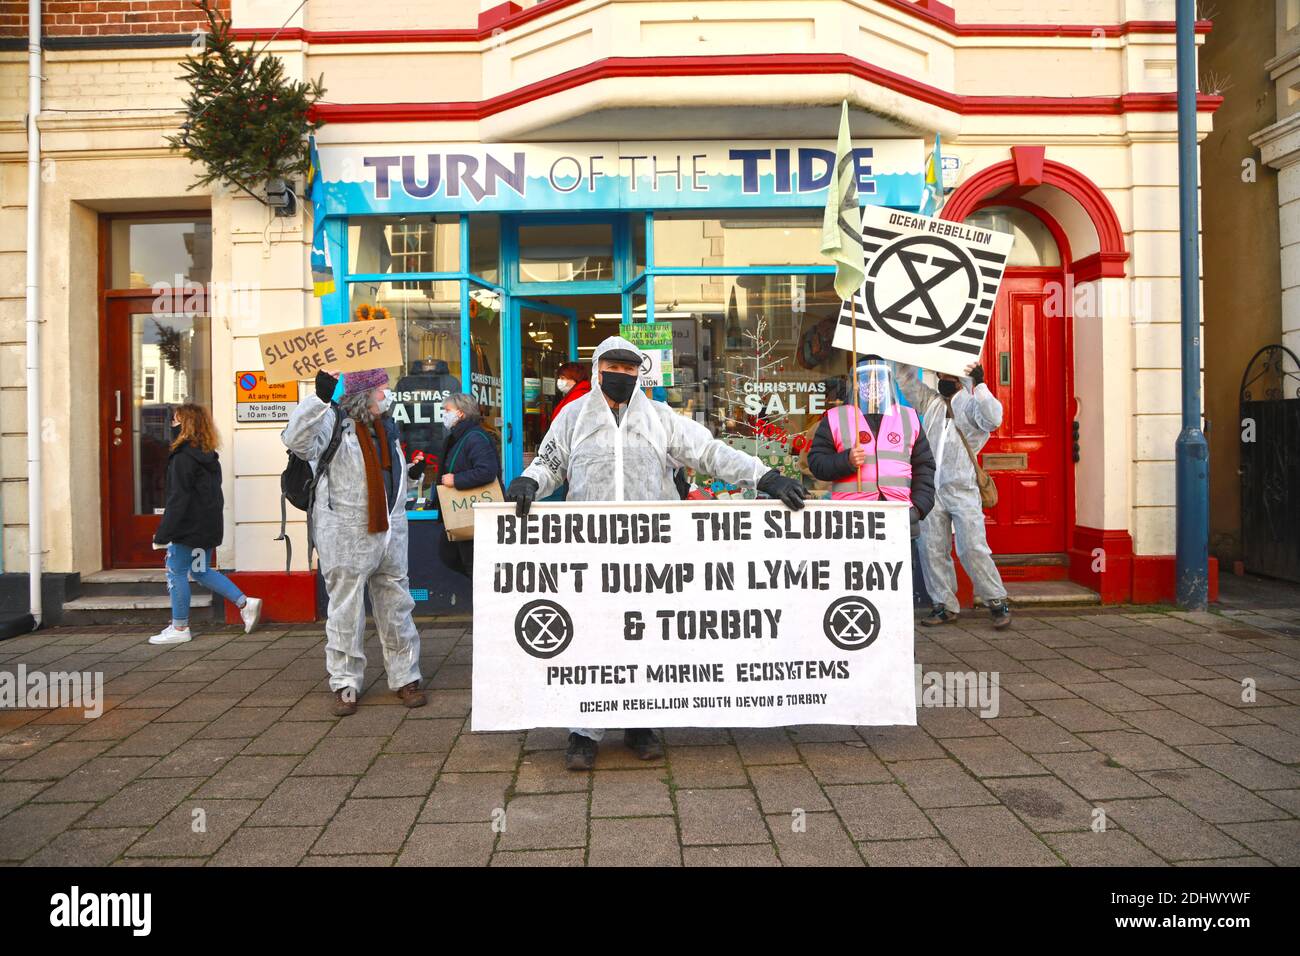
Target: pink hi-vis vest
{"x":888,"y":468}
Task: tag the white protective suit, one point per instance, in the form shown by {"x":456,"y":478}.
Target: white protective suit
{"x":957,"y":508}
{"x":632,"y":458}
{"x":352,"y":558}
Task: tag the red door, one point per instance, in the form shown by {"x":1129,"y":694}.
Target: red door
{"x":1026,"y":365}
{"x":153,"y":359}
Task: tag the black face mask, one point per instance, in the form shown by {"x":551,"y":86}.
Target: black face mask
{"x":947,"y":387}
{"x":617,"y":386}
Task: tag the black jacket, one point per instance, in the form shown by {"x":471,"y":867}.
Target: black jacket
{"x":827,"y":464}
{"x":474,"y":456}
{"x":192,"y":514}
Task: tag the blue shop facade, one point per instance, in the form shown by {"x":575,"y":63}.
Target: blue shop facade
{"x":501,"y":262}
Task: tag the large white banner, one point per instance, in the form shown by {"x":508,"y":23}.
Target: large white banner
{"x":692,"y":614}
{"x":929,"y":291}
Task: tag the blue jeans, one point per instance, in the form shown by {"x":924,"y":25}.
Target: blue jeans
{"x":182,"y":563}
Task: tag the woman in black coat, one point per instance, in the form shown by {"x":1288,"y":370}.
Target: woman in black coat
{"x":192,"y":524}
{"x":469,"y":460}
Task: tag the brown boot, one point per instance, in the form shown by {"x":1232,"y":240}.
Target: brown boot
{"x":345,"y":702}
{"x":411,"y":695}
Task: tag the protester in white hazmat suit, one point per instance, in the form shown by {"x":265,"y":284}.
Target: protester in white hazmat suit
{"x":614,"y":444}
{"x":359,"y":525}
{"x":957,"y":509}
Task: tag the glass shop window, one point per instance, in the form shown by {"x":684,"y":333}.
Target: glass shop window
{"x":393,"y":244}
{"x":1034,"y":245}
{"x":143,"y":252}
{"x":566,"y":252}
{"x":774,"y":237}
{"x":638,"y":242}
{"x":753,"y":361}
{"x":544,"y":343}
{"x":485,"y":357}
{"x":428,"y":320}
{"x":485,"y":246}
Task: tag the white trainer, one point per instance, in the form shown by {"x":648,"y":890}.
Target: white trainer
{"x":251,"y":612}
{"x":172,"y":635}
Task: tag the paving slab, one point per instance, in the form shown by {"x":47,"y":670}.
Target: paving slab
{"x":992,"y":836}
{"x":644,"y":841}
{"x":1133,"y":714}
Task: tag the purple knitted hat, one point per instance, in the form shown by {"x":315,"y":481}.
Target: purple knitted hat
{"x":354,"y":382}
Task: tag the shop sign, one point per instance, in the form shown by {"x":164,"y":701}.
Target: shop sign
{"x":486,"y":389}
{"x":655,"y":340}
{"x":533,"y":177}
{"x":532,"y":395}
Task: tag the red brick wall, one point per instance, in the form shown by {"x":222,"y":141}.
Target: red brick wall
{"x":73,"y":18}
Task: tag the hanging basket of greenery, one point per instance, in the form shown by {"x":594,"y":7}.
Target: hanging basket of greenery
{"x":246,"y":123}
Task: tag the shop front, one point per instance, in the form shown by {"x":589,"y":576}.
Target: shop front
{"x":513,"y":182}
{"x":502,"y":262}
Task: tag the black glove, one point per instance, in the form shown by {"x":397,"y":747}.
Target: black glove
{"x":522,"y":492}
{"x":977,"y":375}
{"x":788,"y":490}
{"x":416,"y":471}
{"x":914,"y":516}
{"x":326,"y":384}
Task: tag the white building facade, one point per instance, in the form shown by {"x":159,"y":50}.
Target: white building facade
{"x":1057,"y":120}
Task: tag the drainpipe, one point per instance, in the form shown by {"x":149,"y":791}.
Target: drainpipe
{"x":1191,"y":452}
{"x":34,"y":502}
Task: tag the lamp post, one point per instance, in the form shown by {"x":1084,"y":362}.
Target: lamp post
{"x":1191,"y":453}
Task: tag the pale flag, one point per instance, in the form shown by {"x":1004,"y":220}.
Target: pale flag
{"x":842,"y":223}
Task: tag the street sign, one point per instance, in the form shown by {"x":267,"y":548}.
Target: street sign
{"x":256,"y":400}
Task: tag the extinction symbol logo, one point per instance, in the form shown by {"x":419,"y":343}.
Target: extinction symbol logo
{"x":647,"y":363}
{"x":852,"y":623}
{"x":928,"y":285}
{"x":543,"y":629}
{"x":950,"y":279}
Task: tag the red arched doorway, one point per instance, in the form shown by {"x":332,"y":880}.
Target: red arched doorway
{"x":1028,"y":364}
{"x":1034,"y":322}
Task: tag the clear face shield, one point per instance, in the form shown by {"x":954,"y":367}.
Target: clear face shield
{"x":875,"y":388}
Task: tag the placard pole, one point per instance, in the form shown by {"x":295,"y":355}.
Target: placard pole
{"x":853,"y":383}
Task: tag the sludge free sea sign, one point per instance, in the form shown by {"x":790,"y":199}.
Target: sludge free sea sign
{"x":685,"y":614}
{"x":344,"y":347}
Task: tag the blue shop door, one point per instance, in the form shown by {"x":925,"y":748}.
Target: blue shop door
{"x":540,"y":338}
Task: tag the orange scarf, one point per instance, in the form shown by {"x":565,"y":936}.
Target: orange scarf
{"x":376,"y":462}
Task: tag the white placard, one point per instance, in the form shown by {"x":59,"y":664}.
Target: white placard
{"x":929,"y":293}
{"x":692,"y":614}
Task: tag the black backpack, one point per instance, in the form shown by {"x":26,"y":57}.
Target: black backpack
{"x":298,"y":487}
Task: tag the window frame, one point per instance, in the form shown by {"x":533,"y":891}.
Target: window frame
{"x":630,"y":280}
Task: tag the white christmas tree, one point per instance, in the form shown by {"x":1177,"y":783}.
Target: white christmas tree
{"x":761,"y":362}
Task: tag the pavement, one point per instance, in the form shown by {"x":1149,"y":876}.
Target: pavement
{"x":1122,"y":738}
